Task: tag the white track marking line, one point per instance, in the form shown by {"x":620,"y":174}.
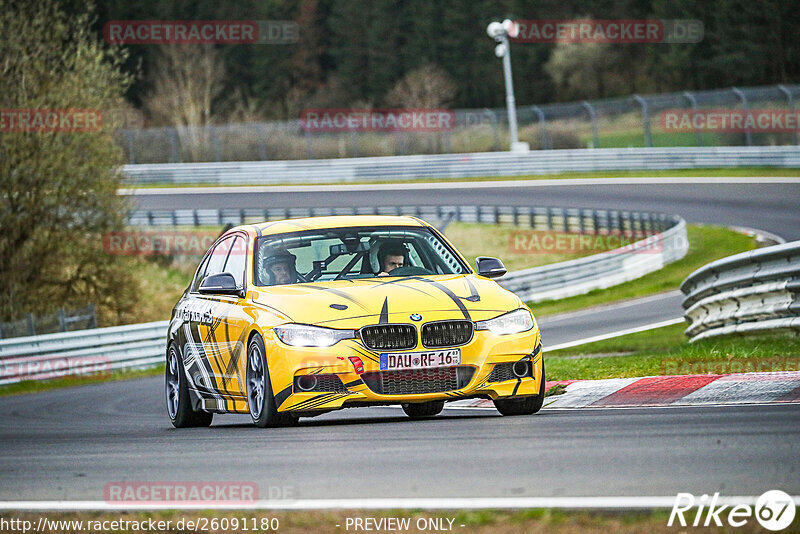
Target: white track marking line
{"x":604,"y":307}
{"x":598,"y":502}
{"x":413,"y":184}
{"x":601,"y":337}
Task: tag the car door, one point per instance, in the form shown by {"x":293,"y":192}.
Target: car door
{"x":220,"y":325}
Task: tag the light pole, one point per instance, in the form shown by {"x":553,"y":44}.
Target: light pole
{"x":500,"y":32}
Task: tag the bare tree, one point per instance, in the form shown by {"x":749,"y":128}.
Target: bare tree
{"x":426,"y":87}
{"x":186,"y":81}
{"x":584,"y":70}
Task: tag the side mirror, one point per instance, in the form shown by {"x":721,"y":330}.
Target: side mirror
{"x":220,"y":284}
{"x":490,"y":267}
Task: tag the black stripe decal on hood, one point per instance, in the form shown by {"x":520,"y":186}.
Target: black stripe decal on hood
{"x":444,"y":289}
{"x":384,"y":318}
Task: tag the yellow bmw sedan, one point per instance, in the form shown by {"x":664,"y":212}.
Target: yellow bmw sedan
{"x":295,"y":318}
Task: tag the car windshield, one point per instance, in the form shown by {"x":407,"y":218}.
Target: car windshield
{"x":351,"y":253}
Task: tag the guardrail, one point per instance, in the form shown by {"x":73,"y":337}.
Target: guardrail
{"x":753,"y":291}
{"x":599,"y":271}
{"x":105,"y":349}
{"x":462,"y":165}
{"x":82,"y":352}
{"x":667,"y":239}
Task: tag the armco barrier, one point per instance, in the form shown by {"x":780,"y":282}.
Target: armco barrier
{"x":462,"y":165}
{"x":82,"y":352}
{"x":142,"y":345}
{"x":754,"y":291}
{"x":599,"y":271}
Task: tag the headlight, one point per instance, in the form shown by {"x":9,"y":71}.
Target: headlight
{"x":509,"y":323}
{"x":301,"y":335}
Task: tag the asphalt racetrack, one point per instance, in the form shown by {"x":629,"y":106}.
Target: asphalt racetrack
{"x":69,"y":443}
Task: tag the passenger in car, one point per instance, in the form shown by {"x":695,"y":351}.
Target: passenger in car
{"x":281,"y":268}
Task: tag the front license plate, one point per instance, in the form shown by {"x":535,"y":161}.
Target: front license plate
{"x":420,"y":360}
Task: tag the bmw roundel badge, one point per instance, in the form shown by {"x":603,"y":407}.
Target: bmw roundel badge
{"x":415,"y":317}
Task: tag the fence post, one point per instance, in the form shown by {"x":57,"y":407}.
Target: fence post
{"x":31,"y":325}
{"x":262,"y":146}
{"x":309,"y":146}
{"x":693,"y":102}
{"x":542,"y":127}
{"x":399,"y":144}
{"x":495,"y":129}
{"x":748,"y":137}
{"x":353,"y":144}
{"x":215,"y":143}
{"x":62,"y":320}
{"x":790,"y":105}
{"x":648,"y":140}
{"x":593,"y":117}
{"x":131,"y":146}
{"x":173,"y":143}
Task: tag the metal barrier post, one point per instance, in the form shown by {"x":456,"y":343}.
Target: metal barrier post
{"x":693,"y":102}
{"x":747,"y":135}
{"x":648,"y":140}
{"x":173,"y":143}
{"x":593,"y":117}
{"x":790,"y":105}
{"x":542,"y":127}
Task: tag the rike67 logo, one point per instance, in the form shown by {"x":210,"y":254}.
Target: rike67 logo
{"x":774,"y":510}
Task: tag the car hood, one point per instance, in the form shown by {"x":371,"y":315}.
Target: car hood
{"x":353,"y":303}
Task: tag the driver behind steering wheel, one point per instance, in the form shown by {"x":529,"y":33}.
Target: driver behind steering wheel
{"x":280,"y":268}
{"x":391,"y":256}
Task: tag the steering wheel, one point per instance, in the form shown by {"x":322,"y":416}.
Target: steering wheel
{"x":410,"y":270}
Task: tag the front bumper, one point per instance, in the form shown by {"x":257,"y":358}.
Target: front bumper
{"x":481,"y":355}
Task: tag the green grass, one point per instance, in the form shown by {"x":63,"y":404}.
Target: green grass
{"x":706,"y":244}
{"x":667,"y":351}
{"x":711,"y":172}
{"x":36,"y":386}
{"x":635,"y":138}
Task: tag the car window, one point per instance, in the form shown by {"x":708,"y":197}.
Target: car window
{"x":350,"y":253}
{"x":236,"y":260}
{"x":198,"y":277}
{"x":217,"y":258}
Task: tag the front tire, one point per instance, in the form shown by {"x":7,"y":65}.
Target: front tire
{"x":260,"y":399}
{"x":416,"y":410}
{"x":179,"y":405}
{"x":522,"y":406}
